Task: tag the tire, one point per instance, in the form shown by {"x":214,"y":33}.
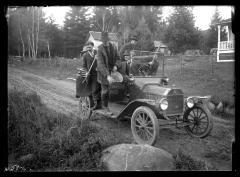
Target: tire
{"x":140,"y":117}
{"x":201,"y":118}
{"x":84,"y":108}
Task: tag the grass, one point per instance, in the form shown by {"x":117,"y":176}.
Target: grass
{"x":53,"y":139}
{"x":56,"y":67}
{"x":199,"y":77}
{"x":185,"y":162}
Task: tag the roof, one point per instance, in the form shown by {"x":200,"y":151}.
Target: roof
{"x":223,"y":22}
{"x":97,"y":36}
{"x":159,"y":43}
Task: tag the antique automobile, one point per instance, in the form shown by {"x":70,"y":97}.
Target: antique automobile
{"x":153,"y":104}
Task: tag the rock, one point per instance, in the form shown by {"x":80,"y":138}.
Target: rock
{"x":136,"y":157}
{"x":220,"y":106}
{"x":210,"y":106}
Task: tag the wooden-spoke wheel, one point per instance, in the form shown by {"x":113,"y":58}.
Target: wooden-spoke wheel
{"x":144,"y":125}
{"x":200,"y":121}
{"x":84,"y":108}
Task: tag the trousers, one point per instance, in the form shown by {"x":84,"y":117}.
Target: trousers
{"x":91,"y":88}
{"x":105,"y":94}
{"x":95,"y":87}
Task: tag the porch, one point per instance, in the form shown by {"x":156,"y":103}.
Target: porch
{"x":226,"y":49}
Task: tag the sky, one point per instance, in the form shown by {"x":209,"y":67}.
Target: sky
{"x":202,"y":14}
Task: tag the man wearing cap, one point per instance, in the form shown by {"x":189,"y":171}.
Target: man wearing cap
{"x":90,"y":67}
{"x":128,"y":46}
{"x":124,"y":69}
{"x":107,"y":61}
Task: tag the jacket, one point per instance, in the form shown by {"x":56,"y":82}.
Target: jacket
{"x":103,"y":68}
{"x":87,"y":62}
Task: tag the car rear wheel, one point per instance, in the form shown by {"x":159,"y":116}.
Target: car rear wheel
{"x":84,"y":108}
{"x":200,"y":121}
{"x":144,"y":125}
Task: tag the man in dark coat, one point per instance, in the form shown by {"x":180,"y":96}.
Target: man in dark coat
{"x":95,"y":87}
{"x":107,"y":62}
{"x":128,"y":47}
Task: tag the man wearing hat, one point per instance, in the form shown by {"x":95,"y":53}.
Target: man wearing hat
{"x":128,"y":46}
{"x":107,"y":61}
{"x":88,"y":65}
{"x":124,"y":69}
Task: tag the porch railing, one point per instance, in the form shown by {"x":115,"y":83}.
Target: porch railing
{"x":226,"y":45}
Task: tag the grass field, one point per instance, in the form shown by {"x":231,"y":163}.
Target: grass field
{"x":199,"y":76}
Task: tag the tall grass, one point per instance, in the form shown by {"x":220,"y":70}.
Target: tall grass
{"x":53,"y":139}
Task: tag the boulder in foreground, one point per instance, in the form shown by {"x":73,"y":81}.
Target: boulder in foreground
{"x":136,"y":157}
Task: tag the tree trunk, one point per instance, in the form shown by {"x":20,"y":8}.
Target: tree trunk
{"x":37,"y":32}
{"x":33,"y":41}
{"x":49,"y":55}
{"x":103,"y":18}
{"x":23,"y":46}
{"x":30,"y":53}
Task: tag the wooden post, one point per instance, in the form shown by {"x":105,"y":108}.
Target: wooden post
{"x":228,"y":33}
{"x":219,"y":32}
{"x":195,"y":65}
{"x":162,"y":66}
{"x":212,"y":64}
{"x":181,"y":65}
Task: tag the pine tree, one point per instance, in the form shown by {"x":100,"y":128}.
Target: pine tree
{"x":181,"y":33}
{"x":212,"y":36}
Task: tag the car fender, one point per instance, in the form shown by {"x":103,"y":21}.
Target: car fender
{"x":131,"y":106}
{"x":199,"y":101}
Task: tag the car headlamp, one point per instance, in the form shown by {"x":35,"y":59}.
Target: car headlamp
{"x":163,"y":104}
{"x":190,"y":102}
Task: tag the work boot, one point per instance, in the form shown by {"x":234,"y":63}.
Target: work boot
{"x":97,"y":105}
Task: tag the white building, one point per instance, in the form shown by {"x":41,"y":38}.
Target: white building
{"x":226,"y":49}
{"x":95,"y":37}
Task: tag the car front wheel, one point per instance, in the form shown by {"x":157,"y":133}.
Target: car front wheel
{"x":200,"y":121}
{"x":144,"y":126}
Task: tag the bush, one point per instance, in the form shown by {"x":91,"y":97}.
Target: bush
{"x":30,"y":124}
{"x":42,"y":133}
{"x":23,"y":122}
{"x":185,"y":162}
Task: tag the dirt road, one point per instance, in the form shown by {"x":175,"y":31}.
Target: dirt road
{"x":215,"y":149}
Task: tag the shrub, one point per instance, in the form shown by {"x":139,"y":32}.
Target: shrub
{"x":185,"y":162}
{"x":23,"y":121}
{"x":34,"y":129}
{"x":30,"y":126}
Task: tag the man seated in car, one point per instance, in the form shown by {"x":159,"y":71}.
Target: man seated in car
{"x":124,"y":69}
